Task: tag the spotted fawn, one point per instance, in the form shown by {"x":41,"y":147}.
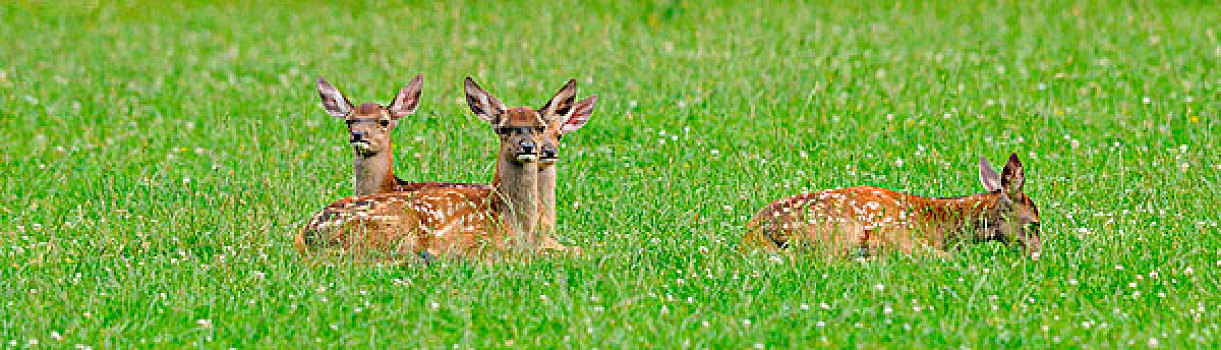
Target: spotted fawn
{"x":867,"y":219}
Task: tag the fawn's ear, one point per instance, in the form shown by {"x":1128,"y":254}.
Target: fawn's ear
{"x":1013,"y":176}
{"x":988,"y":177}
{"x":560,"y":105}
{"x":332,"y":100}
{"x":484,"y":105}
{"x":408,"y":99}
{"x":580,"y":115}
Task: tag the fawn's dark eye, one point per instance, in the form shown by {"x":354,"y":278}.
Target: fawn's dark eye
{"x":384,"y":122}
{"x":349,"y":122}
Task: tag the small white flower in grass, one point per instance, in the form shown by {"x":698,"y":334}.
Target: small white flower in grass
{"x":805,"y":306}
{"x":1188,"y":271}
{"x":887,"y":310}
{"x":879,"y":287}
{"x":434,"y":305}
{"x":746,"y":322}
{"x":824,"y":306}
{"x":1153,"y":342}
{"x":1146,"y":100}
{"x":55,"y":335}
{"x":203,"y":322}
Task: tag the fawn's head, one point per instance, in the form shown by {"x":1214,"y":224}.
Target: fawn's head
{"x":370,"y":124}
{"x":1013,"y":216}
{"x":563,"y":123}
{"x":520,"y":128}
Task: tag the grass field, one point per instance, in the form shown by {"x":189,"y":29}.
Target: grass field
{"x":158,"y":157}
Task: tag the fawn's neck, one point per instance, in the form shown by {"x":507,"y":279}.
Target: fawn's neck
{"x":515,"y":197}
{"x":949,"y":218}
{"x":374,"y":174}
{"x":546,"y":197}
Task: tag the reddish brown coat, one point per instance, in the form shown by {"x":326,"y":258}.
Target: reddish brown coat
{"x":867,"y":219}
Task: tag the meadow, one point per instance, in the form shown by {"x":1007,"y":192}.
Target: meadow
{"x":158,"y":157}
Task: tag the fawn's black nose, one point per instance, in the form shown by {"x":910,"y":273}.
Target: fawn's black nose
{"x":358,"y":136}
{"x":549,"y":152}
{"x":527,"y":147}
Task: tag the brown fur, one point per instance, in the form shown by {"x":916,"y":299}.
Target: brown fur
{"x":547,"y":173}
{"x":373,"y":163}
{"x":868,"y":219}
{"x":445,"y":221}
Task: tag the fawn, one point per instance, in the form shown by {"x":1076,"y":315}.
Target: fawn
{"x":370,"y":128}
{"x":866,"y":218}
{"x":373,"y":145}
{"x":557,"y":127}
{"x":451,"y":220}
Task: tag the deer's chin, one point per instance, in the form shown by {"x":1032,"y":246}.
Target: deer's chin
{"x":363,"y":148}
{"x":548,"y":161}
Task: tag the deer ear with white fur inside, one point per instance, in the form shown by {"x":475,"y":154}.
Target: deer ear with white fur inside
{"x":332,"y":100}
{"x":580,"y":115}
{"x":483,"y":104}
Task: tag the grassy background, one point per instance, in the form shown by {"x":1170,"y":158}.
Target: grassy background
{"x":157,"y":158}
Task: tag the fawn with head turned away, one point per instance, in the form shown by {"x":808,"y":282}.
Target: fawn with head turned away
{"x":867,"y":219}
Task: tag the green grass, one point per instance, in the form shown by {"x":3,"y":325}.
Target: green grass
{"x":158,"y":157}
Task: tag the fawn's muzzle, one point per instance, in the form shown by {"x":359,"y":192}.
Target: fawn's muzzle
{"x":1033,"y":246}
{"x":357,"y":136}
{"x":528,"y":152}
{"x":549,"y":154}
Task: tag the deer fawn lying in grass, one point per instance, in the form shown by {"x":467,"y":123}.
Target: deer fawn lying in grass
{"x":563,"y":124}
{"x":369,"y":130}
{"x":450,"y":220}
{"x":865,"y":218}
{"x":370,"y":127}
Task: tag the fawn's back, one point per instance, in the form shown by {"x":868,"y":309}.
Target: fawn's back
{"x":867,"y":218}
